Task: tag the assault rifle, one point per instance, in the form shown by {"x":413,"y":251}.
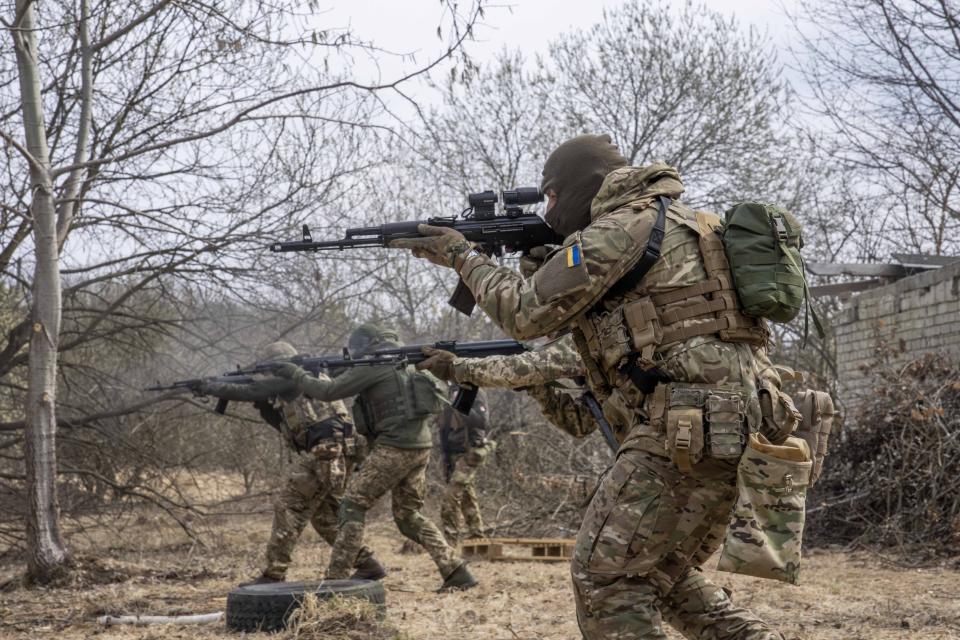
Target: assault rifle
{"x":513,"y":231}
{"x":234,"y":377}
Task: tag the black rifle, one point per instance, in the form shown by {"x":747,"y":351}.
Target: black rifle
{"x":401,"y":357}
{"x":591,"y":403}
{"x":514,"y":231}
{"x":235,"y":377}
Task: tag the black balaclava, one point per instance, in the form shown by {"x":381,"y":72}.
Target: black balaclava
{"x":575,"y":170}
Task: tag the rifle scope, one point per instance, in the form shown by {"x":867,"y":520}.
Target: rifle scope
{"x":521,"y":195}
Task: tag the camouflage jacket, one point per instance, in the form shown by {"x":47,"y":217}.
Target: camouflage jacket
{"x":555,"y":360}
{"x":576,"y":278}
{"x":282,"y":405}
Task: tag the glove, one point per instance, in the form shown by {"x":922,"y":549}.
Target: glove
{"x":286,"y":370}
{"x":200,"y":390}
{"x":530,"y":263}
{"x":440,"y":363}
{"x":440,"y":245}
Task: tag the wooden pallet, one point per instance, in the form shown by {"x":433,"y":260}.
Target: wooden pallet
{"x":519,"y":549}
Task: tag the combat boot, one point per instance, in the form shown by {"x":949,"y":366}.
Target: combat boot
{"x":263,"y":579}
{"x":369,"y":569}
{"x":459,"y":580}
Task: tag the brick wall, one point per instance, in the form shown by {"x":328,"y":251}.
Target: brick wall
{"x":918,"y":314}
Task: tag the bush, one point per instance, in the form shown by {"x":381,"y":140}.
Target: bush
{"x":893,"y":477}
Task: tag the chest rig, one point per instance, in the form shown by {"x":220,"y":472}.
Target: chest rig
{"x":619,"y":343}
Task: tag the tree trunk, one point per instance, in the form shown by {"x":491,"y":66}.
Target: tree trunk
{"x":48,"y":557}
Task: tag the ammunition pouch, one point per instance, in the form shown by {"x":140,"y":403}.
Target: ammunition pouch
{"x":704,"y":421}
{"x":817,"y":419}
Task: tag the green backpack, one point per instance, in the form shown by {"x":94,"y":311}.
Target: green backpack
{"x":762,"y":243}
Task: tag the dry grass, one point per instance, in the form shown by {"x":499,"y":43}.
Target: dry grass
{"x":159,"y":571}
{"x":338,"y":619}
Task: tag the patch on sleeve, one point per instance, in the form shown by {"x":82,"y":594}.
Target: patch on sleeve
{"x":564,"y":273}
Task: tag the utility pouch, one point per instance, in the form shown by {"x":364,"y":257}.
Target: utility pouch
{"x":816,"y":422}
{"x":726,"y":417}
{"x":630,"y":332}
{"x":684,"y":435}
{"x":362,"y":417}
{"x":426,"y":394}
{"x":779,"y":417}
{"x":323,"y":438}
{"x":766,"y":530}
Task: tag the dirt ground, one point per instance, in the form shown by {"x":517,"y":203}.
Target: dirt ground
{"x":152,"y":568}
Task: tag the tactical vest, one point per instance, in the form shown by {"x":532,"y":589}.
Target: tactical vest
{"x":620,"y":336}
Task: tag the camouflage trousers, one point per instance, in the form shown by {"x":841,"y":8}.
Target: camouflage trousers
{"x":460,"y":506}
{"x":312,"y":492}
{"x":402,"y":472}
{"x":637,"y":557}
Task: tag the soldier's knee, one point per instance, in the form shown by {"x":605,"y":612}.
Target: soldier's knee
{"x":409,"y":523}
{"x":351,"y":511}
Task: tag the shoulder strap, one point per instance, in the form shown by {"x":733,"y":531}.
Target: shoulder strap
{"x":631,"y":280}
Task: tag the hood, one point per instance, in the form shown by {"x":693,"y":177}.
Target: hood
{"x":628,"y":184}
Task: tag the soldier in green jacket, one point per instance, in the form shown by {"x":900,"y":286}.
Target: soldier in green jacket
{"x":391,"y":410}
{"x":667,"y":349}
{"x":324,"y":447}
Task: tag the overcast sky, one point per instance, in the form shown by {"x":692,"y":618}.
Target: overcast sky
{"x":409,"y":26}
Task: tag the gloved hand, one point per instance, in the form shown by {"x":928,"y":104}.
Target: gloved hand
{"x":440,"y":245}
{"x":200,"y":390}
{"x":529,"y":264}
{"x":286,"y":370}
{"x":440,"y":363}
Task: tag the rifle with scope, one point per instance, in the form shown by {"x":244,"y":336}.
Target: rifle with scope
{"x":514,"y":231}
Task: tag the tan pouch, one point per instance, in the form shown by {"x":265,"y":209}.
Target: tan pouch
{"x":766,"y":530}
{"x":780,"y":417}
{"x":816,"y":423}
{"x":725,"y":413}
{"x":684,"y":436}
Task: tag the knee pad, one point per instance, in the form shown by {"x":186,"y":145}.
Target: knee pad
{"x":351,"y":512}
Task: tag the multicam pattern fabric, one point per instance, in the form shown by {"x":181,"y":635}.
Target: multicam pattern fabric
{"x":649,"y":526}
{"x":623,"y":215}
{"x":459,"y":508}
{"x":402,"y":472}
{"x":312,"y":493}
{"x":555,"y":360}
{"x":767,"y":525}
{"x":559,"y":406}
{"x":634,"y":562}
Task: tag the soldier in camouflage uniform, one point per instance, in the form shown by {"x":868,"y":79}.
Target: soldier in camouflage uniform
{"x":316,"y":434}
{"x":385,"y":412}
{"x":465,"y":447}
{"x":667,"y":350}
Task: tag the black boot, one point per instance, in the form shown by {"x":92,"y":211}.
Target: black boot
{"x":263,"y":579}
{"x":459,"y":580}
{"x":369,"y":569}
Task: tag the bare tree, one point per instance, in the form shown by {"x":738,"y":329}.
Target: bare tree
{"x":883,"y":79}
{"x":688,"y":86}
{"x":162,"y":141}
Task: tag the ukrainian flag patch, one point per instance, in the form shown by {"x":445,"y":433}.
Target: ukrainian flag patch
{"x":573,"y":256}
